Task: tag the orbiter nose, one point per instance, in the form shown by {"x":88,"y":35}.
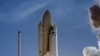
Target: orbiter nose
{"x":53,"y":30}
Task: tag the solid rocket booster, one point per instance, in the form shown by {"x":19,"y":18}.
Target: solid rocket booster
{"x":47,"y":37}
{"x":19,"y":43}
{"x":40,"y":39}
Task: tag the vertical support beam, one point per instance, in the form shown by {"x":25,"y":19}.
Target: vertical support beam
{"x":19,"y":43}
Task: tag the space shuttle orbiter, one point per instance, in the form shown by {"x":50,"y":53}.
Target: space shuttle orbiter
{"x":47,"y":36}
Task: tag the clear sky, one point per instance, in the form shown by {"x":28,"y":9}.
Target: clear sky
{"x":70,"y":16}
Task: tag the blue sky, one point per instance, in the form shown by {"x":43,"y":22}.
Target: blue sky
{"x":70,"y":16}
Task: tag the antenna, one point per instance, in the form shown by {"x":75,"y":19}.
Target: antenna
{"x":19,"y":43}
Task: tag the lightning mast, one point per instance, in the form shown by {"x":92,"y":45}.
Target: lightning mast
{"x":19,"y":43}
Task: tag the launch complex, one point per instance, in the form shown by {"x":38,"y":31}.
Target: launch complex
{"x":47,"y":37}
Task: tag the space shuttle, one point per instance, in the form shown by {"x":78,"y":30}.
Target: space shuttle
{"x":48,"y":45}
